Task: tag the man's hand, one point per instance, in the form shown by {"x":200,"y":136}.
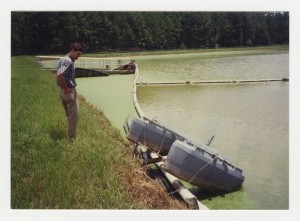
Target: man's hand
{"x":68,"y":90}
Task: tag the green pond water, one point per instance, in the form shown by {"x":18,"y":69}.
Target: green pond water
{"x":113,"y":95}
{"x":249,"y":121}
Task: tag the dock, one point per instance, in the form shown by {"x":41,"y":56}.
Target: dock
{"x":91,"y":66}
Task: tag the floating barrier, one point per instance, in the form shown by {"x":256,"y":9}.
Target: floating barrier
{"x":211,"y":82}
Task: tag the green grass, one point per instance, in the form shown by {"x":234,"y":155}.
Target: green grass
{"x":48,"y":170}
{"x":179,"y":51}
{"x":183,"y":51}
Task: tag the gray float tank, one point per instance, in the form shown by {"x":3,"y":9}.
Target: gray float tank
{"x":202,"y":168}
{"x":149,"y":134}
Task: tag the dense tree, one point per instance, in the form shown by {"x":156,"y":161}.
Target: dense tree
{"x":278,"y":27}
{"x":196,"y":28}
{"x":52,"y":32}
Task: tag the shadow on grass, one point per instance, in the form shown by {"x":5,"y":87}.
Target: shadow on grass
{"x":57,"y":134}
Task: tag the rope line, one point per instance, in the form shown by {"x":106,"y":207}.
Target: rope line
{"x":194,"y":175}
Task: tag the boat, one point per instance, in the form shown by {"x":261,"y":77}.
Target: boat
{"x":149,"y":134}
{"x":187,"y":159}
{"x":202,"y":168}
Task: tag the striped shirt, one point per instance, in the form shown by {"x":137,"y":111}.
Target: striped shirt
{"x":66,"y":67}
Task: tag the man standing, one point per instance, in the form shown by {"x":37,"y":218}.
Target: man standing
{"x":66,"y":82}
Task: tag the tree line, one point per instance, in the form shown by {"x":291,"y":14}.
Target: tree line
{"x":53,"y":32}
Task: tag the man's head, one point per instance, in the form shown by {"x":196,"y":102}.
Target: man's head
{"x":75,"y":51}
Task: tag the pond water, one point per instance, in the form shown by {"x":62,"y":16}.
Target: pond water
{"x":250,"y":121}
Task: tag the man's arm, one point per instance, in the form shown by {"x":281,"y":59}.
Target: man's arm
{"x":61,"y":79}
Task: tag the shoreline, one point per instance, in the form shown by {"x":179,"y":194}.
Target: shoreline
{"x":50,"y":172}
{"x":129,"y":54}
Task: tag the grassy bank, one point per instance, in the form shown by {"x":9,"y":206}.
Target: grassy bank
{"x":48,"y":171}
{"x":184,"y":51}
